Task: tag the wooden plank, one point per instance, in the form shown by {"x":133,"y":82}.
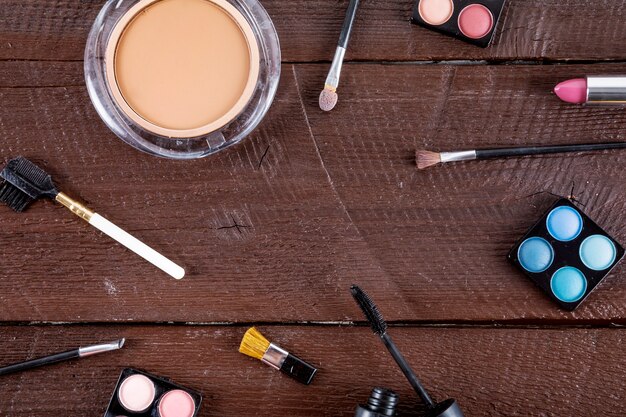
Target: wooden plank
{"x":308,"y":30}
{"x":491,"y":372}
{"x":429,"y":246}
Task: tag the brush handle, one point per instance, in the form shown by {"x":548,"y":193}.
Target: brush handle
{"x":137,"y":246}
{"x":346,"y":29}
{"x":540,"y":150}
{"x":71,"y":354}
{"x":406,"y":370}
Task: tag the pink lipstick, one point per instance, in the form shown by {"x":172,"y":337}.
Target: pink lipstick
{"x":607,"y":90}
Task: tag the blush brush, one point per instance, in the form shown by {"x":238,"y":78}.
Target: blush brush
{"x":425,"y":159}
{"x":24,"y":182}
{"x":447,"y":408}
{"x":328,"y":96}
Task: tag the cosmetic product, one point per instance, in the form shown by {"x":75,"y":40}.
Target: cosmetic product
{"x":81,"y":352}
{"x":255,"y":345}
{"x":425,"y":159}
{"x":447,"y":408}
{"x":597,"y":90}
{"x":24,"y":182}
{"x":381,"y":403}
{"x":472,"y":21}
{"x":328,"y":96}
{"x":140,"y":394}
{"x":182,"y":78}
{"x":566,"y":254}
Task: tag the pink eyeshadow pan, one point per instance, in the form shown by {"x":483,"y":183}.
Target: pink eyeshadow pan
{"x":475,"y":21}
{"x":176,"y":403}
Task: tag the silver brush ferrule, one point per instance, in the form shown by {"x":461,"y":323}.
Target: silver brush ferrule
{"x":606,"y":90}
{"x":457,"y":156}
{"x":105,"y":347}
{"x":275,"y":356}
{"x":335,"y":69}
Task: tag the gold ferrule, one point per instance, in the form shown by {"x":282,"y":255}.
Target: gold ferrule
{"x":75,"y":207}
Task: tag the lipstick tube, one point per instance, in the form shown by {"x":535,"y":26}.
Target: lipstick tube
{"x":606,"y":90}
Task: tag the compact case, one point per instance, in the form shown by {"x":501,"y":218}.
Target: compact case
{"x":566,"y":254}
{"x":469,"y":20}
{"x":140,"y":394}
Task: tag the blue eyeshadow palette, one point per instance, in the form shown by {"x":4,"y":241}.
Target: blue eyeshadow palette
{"x":566,"y":254}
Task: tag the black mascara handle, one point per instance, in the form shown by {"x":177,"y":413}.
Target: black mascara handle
{"x":406,"y":370}
{"x":344,"y":37}
{"x":70,"y":354}
{"x":540,"y":150}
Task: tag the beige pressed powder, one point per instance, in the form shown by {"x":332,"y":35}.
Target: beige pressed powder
{"x":182,"y":68}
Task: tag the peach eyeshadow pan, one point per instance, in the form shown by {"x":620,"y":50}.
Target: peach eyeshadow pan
{"x":182,"y":68}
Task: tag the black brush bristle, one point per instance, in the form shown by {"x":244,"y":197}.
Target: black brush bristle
{"x":24,"y":182}
{"x":373,"y":316}
{"x":13,"y":197}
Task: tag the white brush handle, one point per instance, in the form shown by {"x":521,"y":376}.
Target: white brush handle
{"x":137,"y":246}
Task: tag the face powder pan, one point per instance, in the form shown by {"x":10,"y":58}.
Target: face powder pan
{"x":140,"y":394}
{"x":566,"y":254}
{"x":473,"y":21}
{"x":182,"y":78}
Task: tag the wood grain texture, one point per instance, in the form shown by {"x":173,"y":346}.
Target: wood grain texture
{"x":309,"y":30}
{"x":491,"y":372}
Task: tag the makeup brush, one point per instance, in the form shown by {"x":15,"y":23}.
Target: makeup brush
{"x":81,"y":352}
{"x":255,"y":345}
{"x":328,"y":96}
{"x":425,"y":159}
{"x":24,"y":182}
{"x":447,"y":408}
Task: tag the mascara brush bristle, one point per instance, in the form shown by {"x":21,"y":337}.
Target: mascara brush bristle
{"x":373,"y":316}
{"x":254,"y":344}
{"x":425,"y":159}
{"x":13,"y":197}
{"x":24,"y":182}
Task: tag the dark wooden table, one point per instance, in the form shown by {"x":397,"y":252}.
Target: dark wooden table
{"x":274,"y":231}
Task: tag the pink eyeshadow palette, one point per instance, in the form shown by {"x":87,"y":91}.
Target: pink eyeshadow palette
{"x":140,"y":394}
{"x":469,"y":20}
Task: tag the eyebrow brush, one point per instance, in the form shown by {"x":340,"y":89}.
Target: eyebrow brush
{"x":425,"y":159}
{"x":447,"y":408}
{"x":81,"y":352}
{"x":328,"y":96}
{"x":24,"y":182}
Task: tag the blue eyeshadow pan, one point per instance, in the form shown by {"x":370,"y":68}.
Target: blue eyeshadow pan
{"x":535,"y":254}
{"x":564,"y":223}
{"x":568,"y":284}
{"x":597,"y":252}
{"x":566,"y":254}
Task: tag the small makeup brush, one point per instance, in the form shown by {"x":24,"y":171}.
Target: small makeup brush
{"x":425,"y":159}
{"x":255,"y":345}
{"x":81,"y":352}
{"x":24,"y":182}
{"x":447,"y":408}
{"x":328,"y":96}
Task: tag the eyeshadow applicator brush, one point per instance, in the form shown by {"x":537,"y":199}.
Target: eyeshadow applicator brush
{"x":447,"y":408}
{"x":24,"y":182}
{"x":425,"y":159}
{"x":328,"y":96}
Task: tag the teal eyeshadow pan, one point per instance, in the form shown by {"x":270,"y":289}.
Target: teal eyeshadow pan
{"x":566,"y":254}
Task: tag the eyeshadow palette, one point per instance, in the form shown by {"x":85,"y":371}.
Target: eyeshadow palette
{"x":566,"y":254}
{"x":140,"y":394}
{"x":469,"y":20}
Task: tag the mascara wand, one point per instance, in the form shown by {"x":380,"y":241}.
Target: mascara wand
{"x":24,"y":182}
{"x":447,"y":408}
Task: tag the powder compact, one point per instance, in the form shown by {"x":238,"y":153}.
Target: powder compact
{"x":566,"y":254}
{"x":472,"y":21}
{"x":140,"y":394}
{"x":182,"y":78}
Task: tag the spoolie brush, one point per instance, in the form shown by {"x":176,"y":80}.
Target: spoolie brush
{"x":328,"y":96}
{"x":447,"y":408}
{"x":425,"y":159}
{"x":255,"y":345}
{"x":24,"y":182}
